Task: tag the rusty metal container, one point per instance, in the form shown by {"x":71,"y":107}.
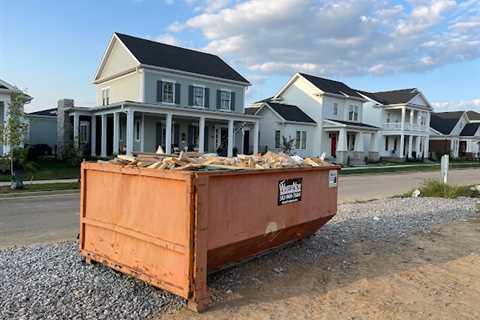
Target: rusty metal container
{"x":170,"y":228}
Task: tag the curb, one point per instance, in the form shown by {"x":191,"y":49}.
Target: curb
{"x":37,"y":193}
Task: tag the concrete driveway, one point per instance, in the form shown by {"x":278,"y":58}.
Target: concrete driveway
{"x":32,"y":219}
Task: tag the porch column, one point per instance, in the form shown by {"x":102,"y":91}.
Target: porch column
{"x":402,"y":123}
{"x":358,"y":142}
{"x":103,"y":137}
{"x":116,"y":132}
{"x":412,"y":112}
{"x":230,"y":138}
{"x":201,"y":135}
{"x":142,"y":134}
{"x":93,"y":136}
{"x":373,"y":147}
{"x":255,"y":137}
{"x":76,"y":129}
{"x":410,"y":145}
{"x":402,"y":145}
{"x":426,"y":145}
{"x":130,"y":128}
{"x":168,"y":134}
{"x":342,"y":140}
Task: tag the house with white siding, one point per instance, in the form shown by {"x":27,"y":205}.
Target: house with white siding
{"x":6,"y":91}
{"x":337,"y":128}
{"x":403,"y":117}
{"x":456,"y":133}
{"x":151,"y":94}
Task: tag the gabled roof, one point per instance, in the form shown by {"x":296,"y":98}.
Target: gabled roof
{"x":470,"y":129}
{"x":331,"y":86}
{"x":288,"y":112}
{"x":47,"y":112}
{"x":472,"y":115}
{"x":162,"y":55}
{"x":444,"y":122}
{"x":352,"y":123}
{"x":393,"y":96}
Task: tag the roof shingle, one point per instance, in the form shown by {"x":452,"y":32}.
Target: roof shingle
{"x":331,"y":86}
{"x":167,"y":56}
{"x":444,"y":122}
{"x":393,"y":96}
{"x":470,"y":129}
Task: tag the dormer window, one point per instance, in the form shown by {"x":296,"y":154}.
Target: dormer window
{"x":167,"y":91}
{"x":105,"y":96}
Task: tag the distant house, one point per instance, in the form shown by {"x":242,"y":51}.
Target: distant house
{"x":456,"y":133}
{"x":403,"y":116}
{"x":6,"y":91}
{"x":42,"y":128}
{"x":151,"y":94}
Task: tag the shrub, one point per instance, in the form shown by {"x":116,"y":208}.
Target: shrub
{"x":436,"y":188}
{"x":72,"y":155}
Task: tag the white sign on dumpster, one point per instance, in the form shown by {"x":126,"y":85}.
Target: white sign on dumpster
{"x":332,"y":178}
{"x":444,"y":168}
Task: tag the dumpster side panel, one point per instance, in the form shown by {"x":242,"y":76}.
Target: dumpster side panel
{"x":245,"y":218}
{"x":139,"y":224}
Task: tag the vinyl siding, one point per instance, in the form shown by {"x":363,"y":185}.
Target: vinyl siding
{"x":124,"y":88}
{"x":42,"y":131}
{"x":118,"y":60}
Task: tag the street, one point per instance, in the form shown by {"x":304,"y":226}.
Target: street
{"x":30,"y":219}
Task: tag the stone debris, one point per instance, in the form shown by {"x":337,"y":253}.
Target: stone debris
{"x":198,"y":162}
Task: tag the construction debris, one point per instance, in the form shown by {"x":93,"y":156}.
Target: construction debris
{"x":201,"y":162}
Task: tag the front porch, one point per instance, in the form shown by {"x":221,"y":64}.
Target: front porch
{"x":401,"y":147}
{"x":130,"y":127}
{"x":351,"y":144}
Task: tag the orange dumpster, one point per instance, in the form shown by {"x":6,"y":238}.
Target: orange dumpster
{"x":170,"y":228}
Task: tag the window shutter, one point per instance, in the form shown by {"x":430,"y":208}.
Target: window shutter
{"x":207,"y":98}
{"x":177,"y":93}
{"x":232,"y":102}
{"x":159,"y":91}
{"x":190,"y":95}
{"x":218,"y":99}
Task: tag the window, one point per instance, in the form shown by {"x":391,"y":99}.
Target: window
{"x":83,"y":135}
{"x":105,"y":96}
{"x":277,"y":139}
{"x":301,"y":140}
{"x":351,"y":142}
{"x":198,"y":96}
{"x":225,"y":99}
{"x":353,"y":113}
{"x":167,"y":91}
{"x":137,"y":130}
{"x":335,"y":109}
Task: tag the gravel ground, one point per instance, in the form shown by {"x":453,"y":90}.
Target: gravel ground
{"x":52,"y":282}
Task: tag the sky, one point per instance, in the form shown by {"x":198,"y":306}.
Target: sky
{"x":51,"y":49}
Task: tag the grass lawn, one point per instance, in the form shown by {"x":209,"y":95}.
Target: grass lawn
{"x":435,"y":188}
{"x":42,"y":187}
{"x":408,"y":167}
{"x":49,"y":170}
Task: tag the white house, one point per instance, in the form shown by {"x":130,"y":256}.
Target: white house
{"x":456,"y":133}
{"x":6,"y":91}
{"x":404,"y":117}
{"x":336,"y":127}
{"x":151,"y":94}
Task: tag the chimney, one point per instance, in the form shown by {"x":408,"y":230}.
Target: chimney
{"x":64,"y":125}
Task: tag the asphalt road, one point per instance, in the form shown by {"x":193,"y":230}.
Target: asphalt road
{"x":36,"y":219}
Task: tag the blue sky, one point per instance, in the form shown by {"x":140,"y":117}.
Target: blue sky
{"x":52,"y":48}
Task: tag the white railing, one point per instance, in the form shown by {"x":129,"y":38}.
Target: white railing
{"x":398,"y":126}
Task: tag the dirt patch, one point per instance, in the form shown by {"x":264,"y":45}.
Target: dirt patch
{"x":433,"y":275}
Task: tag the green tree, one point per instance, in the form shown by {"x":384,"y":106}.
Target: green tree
{"x":12,"y":132}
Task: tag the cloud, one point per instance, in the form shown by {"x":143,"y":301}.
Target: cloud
{"x":473,"y":104}
{"x":338,"y":38}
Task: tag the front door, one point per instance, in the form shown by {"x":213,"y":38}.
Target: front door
{"x":246,"y":142}
{"x":333,"y":145}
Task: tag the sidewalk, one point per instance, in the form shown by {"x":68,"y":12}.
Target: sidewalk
{"x":7,"y":183}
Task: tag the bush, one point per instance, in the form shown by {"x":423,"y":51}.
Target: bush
{"x":72,"y":155}
{"x":436,"y":188}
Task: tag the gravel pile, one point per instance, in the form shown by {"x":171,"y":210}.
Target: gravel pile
{"x":52,"y":282}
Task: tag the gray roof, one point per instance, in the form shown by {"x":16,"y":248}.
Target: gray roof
{"x":47,"y":112}
{"x":444,"y":122}
{"x":472,"y":115}
{"x":290,"y":112}
{"x":251,"y":110}
{"x":172,"y":57}
{"x":331,"y":86}
{"x":393,"y":96}
{"x":470,"y":129}
{"x":352,"y":123}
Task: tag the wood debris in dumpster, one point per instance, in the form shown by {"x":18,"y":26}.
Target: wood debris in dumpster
{"x":201,"y":162}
